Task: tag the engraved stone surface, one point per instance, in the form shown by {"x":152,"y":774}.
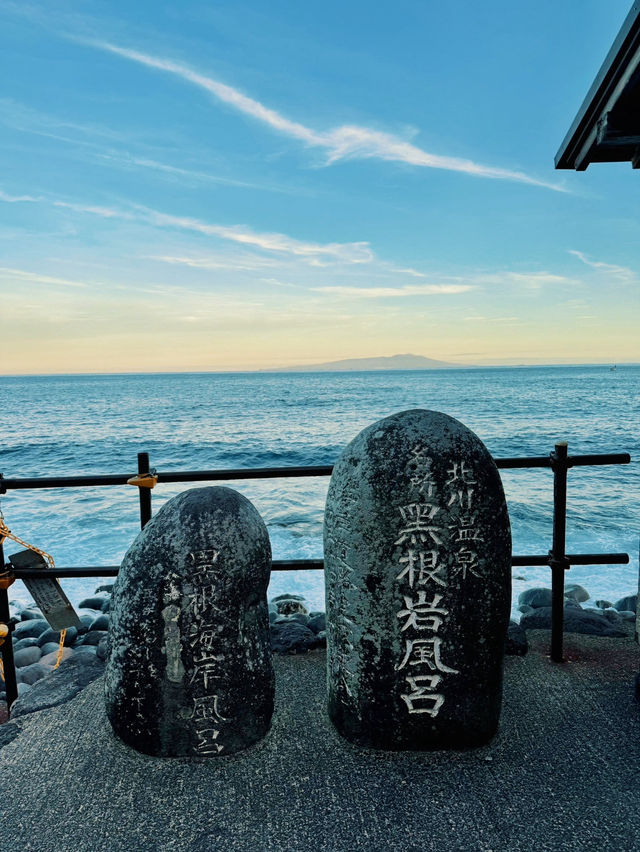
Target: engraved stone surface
{"x":417,"y":549}
{"x":189,"y":670}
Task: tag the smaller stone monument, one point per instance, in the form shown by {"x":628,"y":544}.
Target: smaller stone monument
{"x":190,"y":671}
{"x":417,"y":550}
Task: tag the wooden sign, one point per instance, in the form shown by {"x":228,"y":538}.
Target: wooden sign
{"x":46,"y":592}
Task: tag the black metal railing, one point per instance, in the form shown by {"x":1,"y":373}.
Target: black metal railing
{"x":558,"y":461}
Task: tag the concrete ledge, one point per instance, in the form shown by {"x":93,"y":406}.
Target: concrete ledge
{"x":562,"y":774}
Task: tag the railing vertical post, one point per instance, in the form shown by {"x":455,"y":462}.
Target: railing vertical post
{"x":145,"y":493}
{"x":557,"y":556}
{"x":10,"y":683}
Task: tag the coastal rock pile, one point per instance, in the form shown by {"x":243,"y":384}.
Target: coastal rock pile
{"x":605,"y":619}
{"x":294,"y":630}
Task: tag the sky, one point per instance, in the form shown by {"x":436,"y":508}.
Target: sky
{"x":247,"y":185}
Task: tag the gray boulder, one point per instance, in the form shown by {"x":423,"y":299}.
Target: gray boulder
{"x":575,"y":621}
{"x":576,"y":592}
{"x":517,"y":644}
{"x":535,"y":598}
{"x":31,"y":627}
{"x":291,"y":637}
{"x":290,"y":605}
{"x":57,"y":687}
{"x":29,"y":642}
{"x":628,"y":603}
{"x":26,"y":656}
{"x":51,"y":635}
{"x":31,"y":674}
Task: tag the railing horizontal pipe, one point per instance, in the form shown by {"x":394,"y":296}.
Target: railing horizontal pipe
{"x":7,"y":484}
{"x":312,"y":564}
{"x":11,"y":483}
{"x":599,"y":459}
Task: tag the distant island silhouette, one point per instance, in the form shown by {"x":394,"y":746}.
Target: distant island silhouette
{"x":391,"y":362}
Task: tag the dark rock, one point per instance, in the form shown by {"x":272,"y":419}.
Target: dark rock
{"x":287,"y":597}
{"x":107,"y":587}
{"x":290,"y":605}
{"x":29,"y":642}
{"x":31,"y":674}
{"x":300,"y":617}
{"x":94,"y":637}
{"x":417,"y":551}
{"x":318,"y":622}
{"x":106,"y":606}
{"x":576,"y":592}
{"x":8,"y":732}
{"x":51,"y":635}
{"x":291,"y":637}
{"x":51,"y":659}
{"x":87,"y":619}
{"x":49,"y":648}
{"x":86,"y":651}
{"x":101,"y":622}
{"x":322,"y":639}
{"x":190,"y":669}
{"x":602,"y":604}
{"x":94,"y":602}
{"x":26,"y":656}
{"x":32,"y":627}
{"x":627,"y":615}
{"x":628,"y":603}
{"x":23,"y":688}
{"x":273,"y":616}
{"x":575,"y":621}
{"x":15,"y":609}
{"x":517,"y":644}
{"x":30,"y":615}
{"x":571,"y":603}
{"x":524,"y":608}
{"x":535,"y":598}
{"x":612,"y":615}
{"x":59,"y":686}
{"x":102,"y":649}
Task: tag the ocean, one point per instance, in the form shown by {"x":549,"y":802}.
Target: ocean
{"x":96,"y":424}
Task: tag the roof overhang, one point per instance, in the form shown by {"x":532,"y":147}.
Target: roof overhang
{"x":607,"y":126}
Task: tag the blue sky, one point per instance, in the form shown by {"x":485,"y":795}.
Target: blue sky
{"x":248,"y":185}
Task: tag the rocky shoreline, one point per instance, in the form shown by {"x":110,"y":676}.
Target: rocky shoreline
{"x":294,"y":630}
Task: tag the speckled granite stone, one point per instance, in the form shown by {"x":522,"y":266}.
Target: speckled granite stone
{"x":189,"y":670}
{"x":417,"y":551}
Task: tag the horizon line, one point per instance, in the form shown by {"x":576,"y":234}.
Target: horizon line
{"x":299,"y":369}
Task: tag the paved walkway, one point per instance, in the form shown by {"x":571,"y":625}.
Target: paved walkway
{"x":563,"y":774}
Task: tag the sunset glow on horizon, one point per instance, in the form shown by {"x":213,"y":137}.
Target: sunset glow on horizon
{"x":253,"y":186}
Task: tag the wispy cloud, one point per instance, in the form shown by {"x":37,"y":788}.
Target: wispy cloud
{"x":37,"y":278}
{"x":315,"y":254}
{"x":394,"y":292}
{"x":242,"y":262}
{"x":17,"y":199}
{"x":622,"y":273}
{"x":122,"y":158}
{"x":523,"y":280}
{"x":346,"y":142}
{"x":96,"y":210}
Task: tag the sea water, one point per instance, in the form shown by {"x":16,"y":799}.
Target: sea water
{"x":96,"y":424}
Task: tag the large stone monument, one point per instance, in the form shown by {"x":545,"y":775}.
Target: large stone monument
{"x":190,"y":669}
{"x":417,"y":550}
